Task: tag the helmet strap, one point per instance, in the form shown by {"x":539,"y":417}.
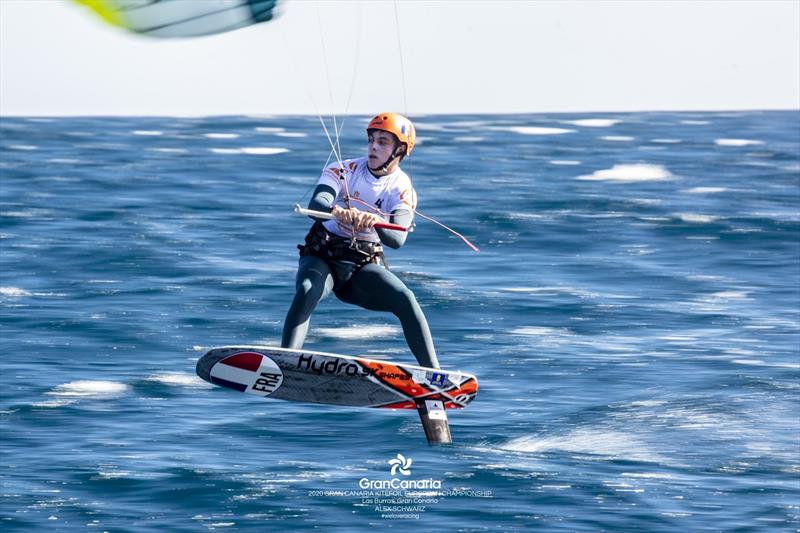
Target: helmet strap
{"x":397,"y":153}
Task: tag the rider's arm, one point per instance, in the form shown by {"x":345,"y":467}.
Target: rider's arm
{"x":323,"y":198}
{"x":395,"y":238}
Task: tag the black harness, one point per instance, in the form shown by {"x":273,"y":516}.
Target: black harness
{"x":323,"y":244}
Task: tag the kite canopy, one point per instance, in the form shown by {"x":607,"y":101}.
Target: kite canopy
{"x":182,"y":18}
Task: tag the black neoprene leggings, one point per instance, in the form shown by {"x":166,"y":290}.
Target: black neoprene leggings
{"x":371,"y":287}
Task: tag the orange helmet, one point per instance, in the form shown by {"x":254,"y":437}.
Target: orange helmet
{"x":400,"y":126}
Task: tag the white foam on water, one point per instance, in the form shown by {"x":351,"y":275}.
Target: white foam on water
{"x":647,"y":403}
{"x":695,"y":122}
{"x":148,"y":133}
{"x":266,"y":129}
{"x":359,"y":331}
{"x":752,"y":362}
{"x":169,"y":150}
{"x":469,"y":124}
{"x":114,"y":474}
{"x":291,"y":134}
{"x":666,"y":141}
{"x":539,"y":331}
{"x":526,"y":216}
{"x":729,"y":295}
{"x":180,"y":379}
{"x":614,"y":444}
{"x":264,"y":150}
{"x":593,"y":122}
{"x":630,"y":173}
{"x":647,"y":201}
{"x":573,"y":291}
{"x":425,"y":126}
{"x":705,"y":190}
{"x":736,"y":142}
{"x":704,"y":277}
{"x":646,"y":475}
{"x":564,"y":162}
{"x":222,"y":135}
{"x":18,"y":214}
{"x":53,"y":403}
{"x":64,"y":161}
{"x":13,"y":292}
{"x":469,"y":139}
{"x":695,"y":218}
{"x":535,"y":130}
{"x":24,"y":147}
{"x":255,"y":150}
{"x":616,"y":138}
{"x":90,"y":389}
{"x":678,"y":338}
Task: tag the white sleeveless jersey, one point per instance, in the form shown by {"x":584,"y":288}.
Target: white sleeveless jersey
{"x":381,"y":195}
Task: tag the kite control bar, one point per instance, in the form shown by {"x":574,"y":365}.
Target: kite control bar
{"x":329,"y":216}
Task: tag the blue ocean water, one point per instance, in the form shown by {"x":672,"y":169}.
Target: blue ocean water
{"x":633,"y":318}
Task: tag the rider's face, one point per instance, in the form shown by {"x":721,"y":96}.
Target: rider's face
{"x":380,"y":147}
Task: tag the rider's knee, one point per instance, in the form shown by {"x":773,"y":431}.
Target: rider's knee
{"x":405,"y":300}
{"x":307,"y":289}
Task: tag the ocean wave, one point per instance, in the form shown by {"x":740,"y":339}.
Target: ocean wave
{"x":221,"y":135}
{"x":23,"y":147}
{"x":540,"y":331}
{"x":180,"y":379}
{"x":256,"y":150}
{"x":617,"y":138}
{"x":605,"y":442}
{"x":534,"y":130}
{"x":552,"y":290}
{"x":65,"y":161}
{"x":89,"y":389}
{"x":593,"y":122}
{"x":696,"y":218}
{"x":705,"y":190}
{"x":359,"y":331}
{"x":13,"y":292}
{"x":168,"y":150}
{"x":630,"y":173}
{"x":564,"y":162}
{"x":736,"y":142}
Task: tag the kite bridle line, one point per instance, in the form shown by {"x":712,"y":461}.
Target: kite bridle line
{"x":402,"y":78}
{"x":336,"y":147}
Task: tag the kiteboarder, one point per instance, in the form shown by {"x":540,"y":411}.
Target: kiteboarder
{"x":344,"y":255}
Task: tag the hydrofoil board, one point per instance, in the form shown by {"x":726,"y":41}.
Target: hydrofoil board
{"x":318,"y":377}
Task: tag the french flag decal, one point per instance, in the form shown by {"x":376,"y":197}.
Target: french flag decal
{"x":248,"y":372}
